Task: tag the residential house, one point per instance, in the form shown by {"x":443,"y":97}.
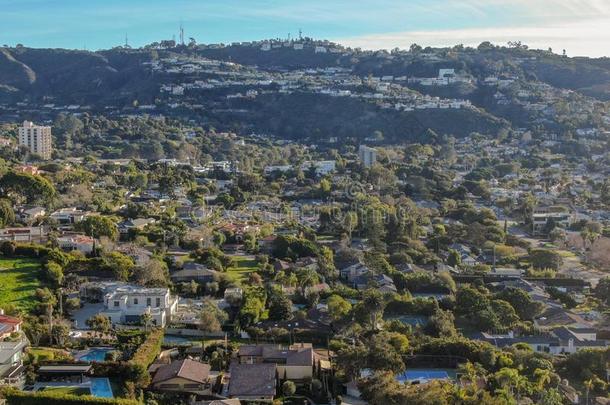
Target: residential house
{"x":295,"y":363}
{"x":350,"y":273}
{"x":194,"y":272}
{"x":558,"y":341}
{"x":559,"y":215}
{"x":69,"y":216}
{"x":125,"y":303}
{"x":83,"y":243}
{"x":37,"y":234}
{"x":555,"y":316}
{"x":253,"y":382}
{"x":8,"y":325}
{"x":11,"y":363}
{"x":134,"y":224}
{"x":30,"y":214}
{"x":184,"y":376}
{"x":139,"y":255}
{"x":233,"y":294}
{"x":573,"y":339}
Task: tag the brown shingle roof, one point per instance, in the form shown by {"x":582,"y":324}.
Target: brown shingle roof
{"x":252,"y":380}
{"x":187,"y":369}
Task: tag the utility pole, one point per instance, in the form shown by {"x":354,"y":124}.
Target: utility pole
{"x":181,"y":34}
{"x":61,"y":303}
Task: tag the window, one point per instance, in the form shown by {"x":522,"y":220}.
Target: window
{"x":135,"y":301}
{"x":117,"y":303}
{"x":148,"y":301}
{"x":158,"y":302}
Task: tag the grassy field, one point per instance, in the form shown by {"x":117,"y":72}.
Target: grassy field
{"x":19,"y":279}
{"x":243,"y":265}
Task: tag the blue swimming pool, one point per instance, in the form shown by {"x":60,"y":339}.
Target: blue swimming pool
{"x":424,"y":375}
{"x":97,"y":355}
{"x":100,"y":387}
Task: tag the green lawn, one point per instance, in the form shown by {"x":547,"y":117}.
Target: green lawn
{"x":19,"y":279}
{"x":79,"y":391}
{"x":243,"y":265}
{"x":49,"y":354}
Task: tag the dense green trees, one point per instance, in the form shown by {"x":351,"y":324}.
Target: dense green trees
{"x":7,"y":215}
{"x":27,"y":188}
{"x":98,"y":226}
{"x":545,"y":259}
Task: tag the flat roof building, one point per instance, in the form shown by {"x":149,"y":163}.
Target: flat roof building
{"x":37,"y":138}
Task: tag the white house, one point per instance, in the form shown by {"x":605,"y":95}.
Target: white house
{"x":125,"y":303}
{"x":12,"y":370}
{"x":82,"y":243}
{"x":67,"y":216}
{"x":323,"y":167}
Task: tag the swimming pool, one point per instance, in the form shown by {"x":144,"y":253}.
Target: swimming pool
{"x":179,"y":340}
{"x":413,"y":320}
{"x":97,"y":355}
{"x":100,"y":387}
{"x":425,"y":375}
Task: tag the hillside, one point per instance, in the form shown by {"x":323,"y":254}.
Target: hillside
{"x":316,"y":91}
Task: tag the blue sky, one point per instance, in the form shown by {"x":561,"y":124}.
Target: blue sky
{"x":582,"y":27}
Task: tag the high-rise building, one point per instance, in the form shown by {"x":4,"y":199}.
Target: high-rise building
{"x":368,"y":156}
{"x":36,"y":138}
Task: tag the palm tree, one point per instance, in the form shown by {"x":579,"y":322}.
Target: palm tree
{"x":543,"y":377}
{"x":521,"y":384}
{"x":507,"y":378}
{"x":588,"y":386}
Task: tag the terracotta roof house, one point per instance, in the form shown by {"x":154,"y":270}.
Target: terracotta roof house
{"x":8,"y":325}
{"x":252,"y":382}
{"x":184,"y":376}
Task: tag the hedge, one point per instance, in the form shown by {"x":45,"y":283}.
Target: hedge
{"x":15,"y":397}
{"x":150,"y":349}
{"x":32,"y":250}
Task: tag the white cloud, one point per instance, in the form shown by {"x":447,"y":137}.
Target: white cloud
{"x":590,"y":37}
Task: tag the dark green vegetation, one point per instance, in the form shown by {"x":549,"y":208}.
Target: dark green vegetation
{"x":122,"y":79}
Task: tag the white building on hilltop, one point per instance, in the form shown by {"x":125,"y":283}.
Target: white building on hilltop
{"x":36,"y":138}
{"x":368,"y":156}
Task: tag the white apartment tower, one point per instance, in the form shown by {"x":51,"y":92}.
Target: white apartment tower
{"x":36,"y":138}
{"x":368,"y":156}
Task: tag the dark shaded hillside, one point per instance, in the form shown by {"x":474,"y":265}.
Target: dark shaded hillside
{"x":315,"y":117}
{"x":13,"y":72}
{"x":575,"y":74}
{"x":73,"y":77}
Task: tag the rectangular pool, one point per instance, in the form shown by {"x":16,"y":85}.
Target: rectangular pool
{"x":100,"y":387}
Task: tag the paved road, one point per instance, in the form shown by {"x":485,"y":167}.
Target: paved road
{"x":573,"y":265}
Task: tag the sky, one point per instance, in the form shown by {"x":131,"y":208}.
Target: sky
{"x":581,"y":27}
